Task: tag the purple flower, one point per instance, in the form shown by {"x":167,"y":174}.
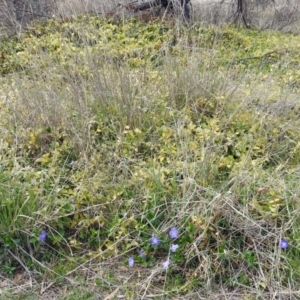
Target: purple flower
{"x":166,"y":264}
{"x":131,"y":262}
{"x":154,"y":240}
{"x":72,"y":201}
{"x":142,"y":253}
{"x":173,"y":233}
{"x":284,"y":244}
{"x":43,"y":236}
{"x":174,"y":247}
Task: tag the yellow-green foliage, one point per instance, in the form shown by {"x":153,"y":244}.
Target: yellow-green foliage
{"x":110,"y":140}
{"x":83,"y":41}
{"x":266,"y":51}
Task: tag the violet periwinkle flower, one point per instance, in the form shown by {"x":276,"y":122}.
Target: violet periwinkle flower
{"x":284,"y":244}
{"x":174,"y":233}
{"x":166,"y":264}
{"x":131,"y":262}
{"x":142,"y":253}
{"x":154,"y":240}
{"x":174,"y":247}
{"x":43,"y":236}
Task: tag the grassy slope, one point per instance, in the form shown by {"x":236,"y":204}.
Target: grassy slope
{"x":112,"y":132}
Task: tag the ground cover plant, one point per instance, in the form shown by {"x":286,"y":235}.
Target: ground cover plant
{"x":149,"y":160}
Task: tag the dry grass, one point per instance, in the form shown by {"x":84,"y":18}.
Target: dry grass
{"x":281,"y":15}
{"x":96,"y":101}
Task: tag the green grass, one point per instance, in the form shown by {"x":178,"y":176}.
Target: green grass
{"x":112,"y":132}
